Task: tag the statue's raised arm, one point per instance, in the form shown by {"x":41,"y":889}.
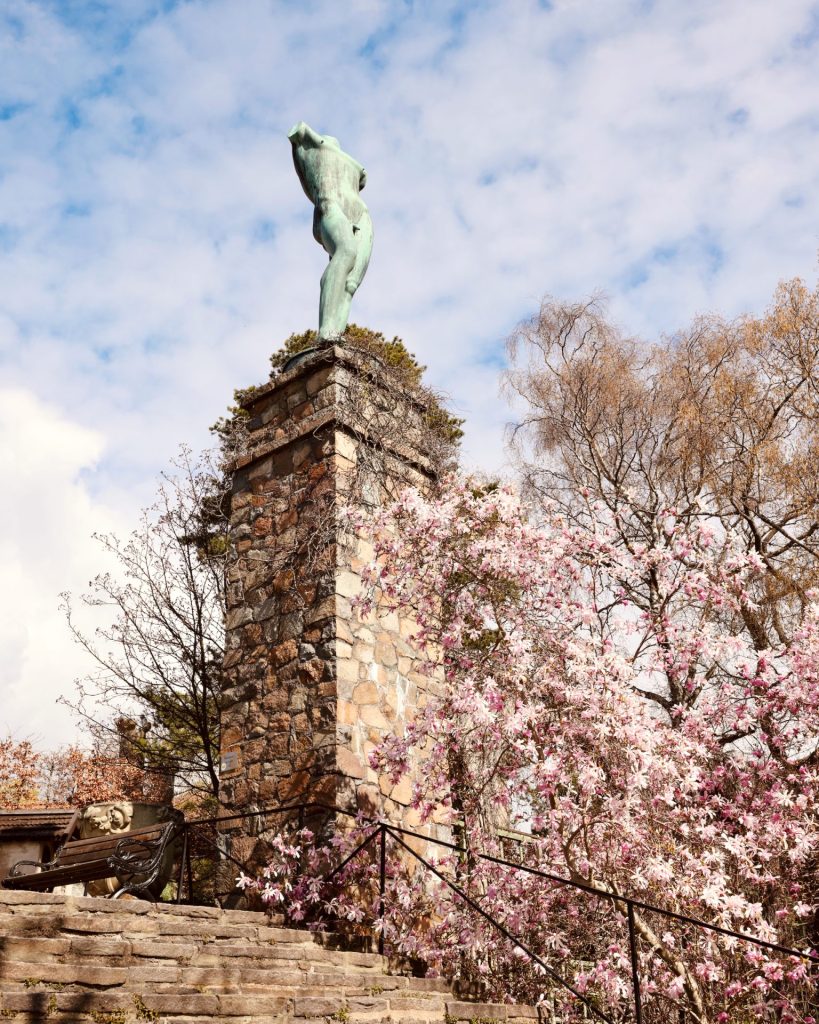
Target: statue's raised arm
{"x":332,"y":180}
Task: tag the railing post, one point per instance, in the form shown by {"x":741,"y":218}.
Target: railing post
{"x":182,"y":860}
{"x":635,"y":977}
{"x":382,"y":885}
{"x":190,"y":870}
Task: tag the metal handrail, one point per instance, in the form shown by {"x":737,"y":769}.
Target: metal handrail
{"x":382,"y":828}
{"x":470,"y":902}
{"x":616,"y":897}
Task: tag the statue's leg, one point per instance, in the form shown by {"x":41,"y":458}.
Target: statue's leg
{"x":363,"y":232}
{"x":363,"y":236}
{"x":334,"y":302}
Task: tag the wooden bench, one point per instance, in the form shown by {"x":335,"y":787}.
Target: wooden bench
{"x":135,"y":858}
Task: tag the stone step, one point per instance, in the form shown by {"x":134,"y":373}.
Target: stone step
{"x":22,"y":975}
{"x":108,"y":1007}
{"x":102,"y":962}
{"x":66,"y":960}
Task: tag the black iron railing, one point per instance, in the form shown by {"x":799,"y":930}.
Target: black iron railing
{"x":380,"y":831}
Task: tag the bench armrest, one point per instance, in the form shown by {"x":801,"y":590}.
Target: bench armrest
{"x":43,"y":865}
{"x":137,"y":856}
{"x":137,"y":862}
{"x":130,"y":853}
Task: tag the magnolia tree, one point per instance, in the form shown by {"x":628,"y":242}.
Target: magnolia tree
{"x":708,"y":810}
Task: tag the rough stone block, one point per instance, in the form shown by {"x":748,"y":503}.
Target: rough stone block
{"x":35,"y":925}
{"x":35,"y":950}
{"x":139,"y":974}
{"x":349,"y":764}
{"x":166,"y":1004}
{"x":102,"y":945}
{"x":192,"y":913}
{"x":432,"y":1003}
{"x":31,"y":899}
{"x":254,"y":977}
{"x":347,"y":670}
{"x":99,"y":924}
{"x":253,"y":1006}
{"x":373,"y":717}
{"x":63,"y":973}
{"x":473,"y":1011}
{"x":159,"y":949}
{"x":311,"y":1006}
{"x":365,"y":693}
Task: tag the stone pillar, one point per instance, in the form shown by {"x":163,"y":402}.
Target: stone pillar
{"x":310,"y":686}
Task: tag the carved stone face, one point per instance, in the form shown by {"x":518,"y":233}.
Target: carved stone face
{"x":119,"y":817}
{"x":103,"y":819}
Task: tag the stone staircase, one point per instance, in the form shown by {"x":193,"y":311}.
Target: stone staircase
{"x":79,"y":959}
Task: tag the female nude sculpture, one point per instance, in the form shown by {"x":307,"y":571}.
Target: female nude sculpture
{"x":332,"y":181}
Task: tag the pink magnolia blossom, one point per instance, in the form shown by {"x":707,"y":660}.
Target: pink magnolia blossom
{"x":555,"y":718}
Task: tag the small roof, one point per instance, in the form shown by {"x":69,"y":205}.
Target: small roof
{"x":35,"y":823}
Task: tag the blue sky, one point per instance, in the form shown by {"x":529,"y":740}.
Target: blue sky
{"x":155,"y":245}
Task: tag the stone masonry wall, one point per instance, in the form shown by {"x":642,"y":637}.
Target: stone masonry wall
{"x":311,"y":687}
{"x":67,"y":960}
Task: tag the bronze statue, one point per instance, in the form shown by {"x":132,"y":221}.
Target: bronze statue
{"x":332,"y":181}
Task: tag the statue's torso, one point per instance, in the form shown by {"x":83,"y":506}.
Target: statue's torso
{"x":330,"y":175}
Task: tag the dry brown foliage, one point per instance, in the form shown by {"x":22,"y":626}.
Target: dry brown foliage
{"x":719,"y":423}
{"x":68,"y":777}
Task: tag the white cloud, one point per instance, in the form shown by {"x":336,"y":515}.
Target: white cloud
{"x":45,"y":547}
{"x":155,"y":244}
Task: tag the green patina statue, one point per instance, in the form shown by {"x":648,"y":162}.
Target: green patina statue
{"x":332,"y":181}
